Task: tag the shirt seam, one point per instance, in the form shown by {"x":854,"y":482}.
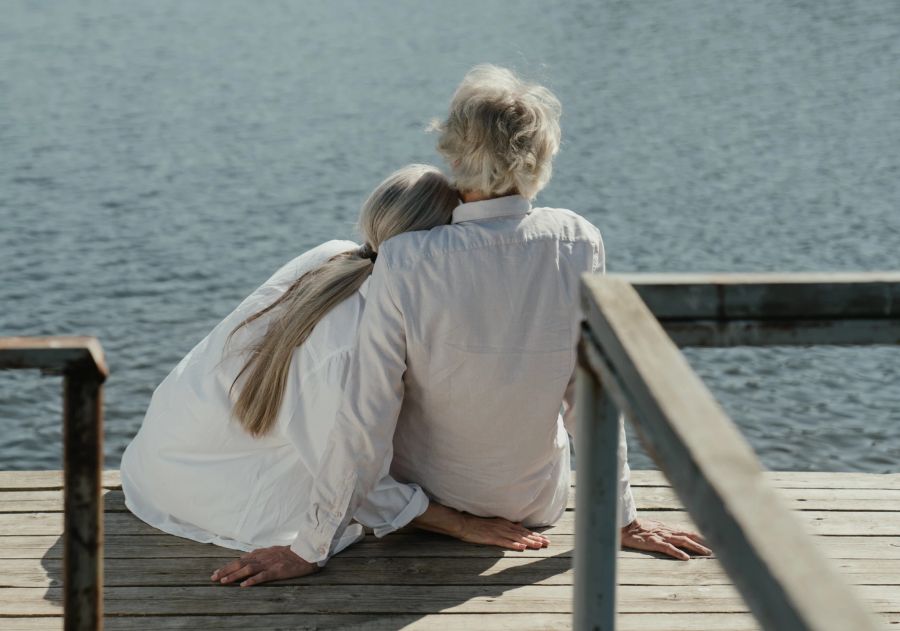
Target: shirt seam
{"x":482,"y":246}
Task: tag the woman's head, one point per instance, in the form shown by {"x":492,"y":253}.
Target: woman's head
{"x":500,"y":134}
{"x":416,"y":197}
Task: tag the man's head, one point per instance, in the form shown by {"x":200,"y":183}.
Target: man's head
{"x":501,"y":134}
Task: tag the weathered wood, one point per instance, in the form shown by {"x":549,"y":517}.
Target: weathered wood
{"x":394,"y":599}
{"x":412,"y":622}
{"x":868,"y":295}
{"x":597,"y":533}
{"x":318,"y":622}
{"x":715,"y":334}
{"x":774,"y":309}
{"x":716,"y":474}
{"x":48,"y":480}
{"x":345,"y":570}
{"x":81,"y":362}
{"x":83,"y":509}
{"x":51,"y":354}
{"x":645,"y":498}
{"x":793,"y":479}
{"x":836,"y":523}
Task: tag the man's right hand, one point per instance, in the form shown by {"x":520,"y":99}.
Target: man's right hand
{"x":490,"y":531}
{"x":496,"y":531}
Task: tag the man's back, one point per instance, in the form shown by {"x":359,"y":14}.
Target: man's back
{"x":490,"y":316}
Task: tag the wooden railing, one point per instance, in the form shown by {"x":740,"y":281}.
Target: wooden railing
{"x":81,"y":363}
{"x":629,"y":363}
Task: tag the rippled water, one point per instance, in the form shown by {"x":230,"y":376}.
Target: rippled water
{"x":158,"y":160}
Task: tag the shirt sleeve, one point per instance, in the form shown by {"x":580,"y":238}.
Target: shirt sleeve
{"x":391,"y":504}
{"x":627,"y":511}
{"x":362,"y":440}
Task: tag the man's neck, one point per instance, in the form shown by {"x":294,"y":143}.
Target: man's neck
{"x":479,"y":196}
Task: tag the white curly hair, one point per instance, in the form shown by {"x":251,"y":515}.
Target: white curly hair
{"x":500,"y":134}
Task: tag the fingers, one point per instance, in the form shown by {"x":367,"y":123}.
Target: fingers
{"x":533,"y":539}
{"x":227,"y":569}
{"x":692,"y":535}
{"x":261,"y":577}
{"x":687,"y":542}
{"x":667,"y":548}
{"x":248,"y":569}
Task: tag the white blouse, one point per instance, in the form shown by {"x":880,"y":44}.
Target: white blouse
{"x":193,"y":471}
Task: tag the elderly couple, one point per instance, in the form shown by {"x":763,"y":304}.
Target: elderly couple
{"x":423,"y":378}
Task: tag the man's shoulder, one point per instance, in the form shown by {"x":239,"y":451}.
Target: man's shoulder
{"x":405,"y":249}
{"x":565,"y":223}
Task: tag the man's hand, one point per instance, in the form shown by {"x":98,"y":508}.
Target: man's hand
{"x":491,"y":531}
{"x":646,"y":534}
{"x":263,"y":565}
{"x":496,"y":531}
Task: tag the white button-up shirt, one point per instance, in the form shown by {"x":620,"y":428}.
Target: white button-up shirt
{"x":465,"y":353}
{"x":194,"y":471}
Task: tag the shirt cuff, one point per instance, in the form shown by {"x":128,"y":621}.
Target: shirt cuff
{"x":416,"y":506}
{"x":627,"y":510}
{"x":314,"y":542}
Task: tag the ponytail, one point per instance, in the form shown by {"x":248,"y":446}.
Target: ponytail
{"x":305,"y":302}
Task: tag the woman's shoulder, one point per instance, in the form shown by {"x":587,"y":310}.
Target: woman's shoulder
{"x":310,"y":260}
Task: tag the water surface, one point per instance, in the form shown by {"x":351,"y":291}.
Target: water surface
{"x":158,"y":160}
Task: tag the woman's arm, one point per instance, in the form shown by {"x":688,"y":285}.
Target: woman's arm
{"x":494,"y":531}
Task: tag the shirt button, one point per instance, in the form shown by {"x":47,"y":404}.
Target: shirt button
{"x":323,"y":549}
{"x":338,"y":514}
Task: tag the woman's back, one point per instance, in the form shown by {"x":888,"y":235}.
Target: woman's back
{"x":190,"y":447}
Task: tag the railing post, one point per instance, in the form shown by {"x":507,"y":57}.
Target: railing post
{"x":597,"y":504}
{"x":83,"y":458}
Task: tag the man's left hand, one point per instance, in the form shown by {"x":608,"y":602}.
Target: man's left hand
{"x":263,"y":565}
{"x":647,"y":534}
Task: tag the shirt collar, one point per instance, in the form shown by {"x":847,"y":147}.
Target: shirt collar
{"x":507,"y":206}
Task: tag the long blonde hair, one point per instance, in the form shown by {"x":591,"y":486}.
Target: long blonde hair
{"x":416,"y":197}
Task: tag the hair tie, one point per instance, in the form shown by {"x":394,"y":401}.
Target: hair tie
{"x":367,"y":252}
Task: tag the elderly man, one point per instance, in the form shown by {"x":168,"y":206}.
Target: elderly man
{"x":467,"y":348}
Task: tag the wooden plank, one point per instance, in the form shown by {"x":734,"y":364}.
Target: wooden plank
{"x":343,"y":570}
{"x":422,"y":545}
{"x":791,"y":479}
{"x":23,"y":480}
{"x":645,"y":498}
{"x":768,"y":296}
{"x":50,"y":479}
{"x":318,"y":622}
{"x":52,"y":354}
{"x":394,"y":599}
{"x":427,"y":622}
{"x":788,"y":332}
{"x":714,"y":470}
{"x":816,"y":522}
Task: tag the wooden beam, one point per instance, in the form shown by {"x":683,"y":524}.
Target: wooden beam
{"x":765,"y":550}
{"x":728,"y":297}
{"x":52,"y":354}
{"x":721,"y":310}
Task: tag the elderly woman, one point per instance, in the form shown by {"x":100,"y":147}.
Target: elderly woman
{"x":467,"y":347}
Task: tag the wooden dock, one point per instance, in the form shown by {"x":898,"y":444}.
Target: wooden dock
{"x":413,"y":580}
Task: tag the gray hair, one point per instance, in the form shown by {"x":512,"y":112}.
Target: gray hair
{"x":416,"y":197}
{"x":501,"y":133}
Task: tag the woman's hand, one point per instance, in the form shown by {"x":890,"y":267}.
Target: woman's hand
{"x":492,"y":531}
{"x":646,"y":534}
{"x":496,"y":531}
{"x":263,"y":565}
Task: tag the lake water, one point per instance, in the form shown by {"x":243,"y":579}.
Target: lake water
{"x":158,"y":160}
